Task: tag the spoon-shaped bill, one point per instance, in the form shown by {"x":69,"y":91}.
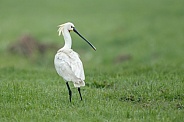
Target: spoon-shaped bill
{"x":84,"y":38}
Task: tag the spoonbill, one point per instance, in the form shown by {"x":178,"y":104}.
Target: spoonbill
{"x":67,"y":62}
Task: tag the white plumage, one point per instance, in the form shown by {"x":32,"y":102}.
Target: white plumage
{"x":69,"y":66}
{"x":67,"y":62}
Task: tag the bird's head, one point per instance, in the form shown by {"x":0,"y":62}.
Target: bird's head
{"x":70,"y":27}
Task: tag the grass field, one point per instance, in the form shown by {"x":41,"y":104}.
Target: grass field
{"x":136,"y":74}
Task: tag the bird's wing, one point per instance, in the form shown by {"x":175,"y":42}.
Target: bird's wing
{"x":68,"y":61}
{"x":76,"y":65}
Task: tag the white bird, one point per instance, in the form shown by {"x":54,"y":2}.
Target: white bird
{"x":67,"y":62}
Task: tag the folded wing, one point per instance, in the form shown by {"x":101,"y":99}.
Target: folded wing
{"x":69,"y":66}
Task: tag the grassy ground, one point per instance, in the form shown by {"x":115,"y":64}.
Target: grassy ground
{"x":136,"y":74}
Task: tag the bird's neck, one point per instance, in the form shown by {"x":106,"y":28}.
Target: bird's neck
{"x":67,"y":38}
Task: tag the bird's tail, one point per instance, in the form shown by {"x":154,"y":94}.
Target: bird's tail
{"x":79,"y":83}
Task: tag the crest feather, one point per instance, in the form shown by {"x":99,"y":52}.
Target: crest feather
{"x":60,"y":29}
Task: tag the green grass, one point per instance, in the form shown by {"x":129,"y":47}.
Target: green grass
{"x":146,"y":86}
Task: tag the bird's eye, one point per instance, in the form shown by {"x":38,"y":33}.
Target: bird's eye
{"x":71,"y":26}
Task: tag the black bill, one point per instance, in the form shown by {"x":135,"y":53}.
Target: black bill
{"x":84,"y":38}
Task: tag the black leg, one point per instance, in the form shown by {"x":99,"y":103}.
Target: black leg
{"x":80,"y":93}
{"x":70,"y":92}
